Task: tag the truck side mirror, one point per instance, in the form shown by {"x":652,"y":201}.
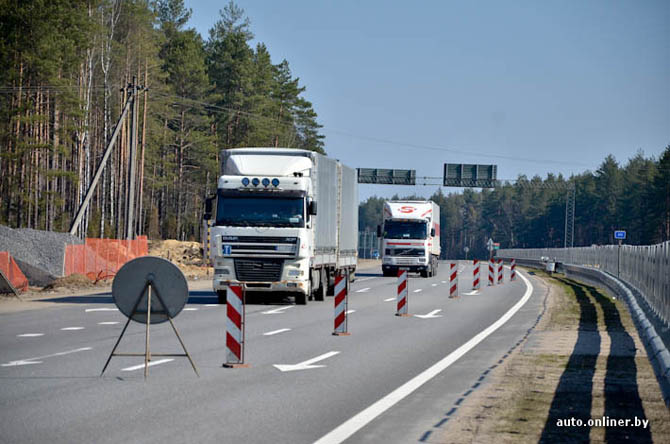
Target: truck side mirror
{"x":432,"y":232}
{"x":312,"y":208}
{"x":208,"y":208}
{"x":379,"y":231}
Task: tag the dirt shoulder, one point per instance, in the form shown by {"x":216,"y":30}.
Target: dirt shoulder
{"x":582,"y":361}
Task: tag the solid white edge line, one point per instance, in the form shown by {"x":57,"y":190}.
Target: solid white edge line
{"x":151,"y":364}
{"x":360,"y":420}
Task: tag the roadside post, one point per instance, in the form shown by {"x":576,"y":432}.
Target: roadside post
{"x":619,"y":235}
{"x":453,"y":280}
{"x":235,"y":323}
{"x":501,"y":279}
{"x":401,"y":308}
{"x":341,"y":304}
{"x":492,"y":279}
{"x":512,"y":276}
{"x":475,"y":274}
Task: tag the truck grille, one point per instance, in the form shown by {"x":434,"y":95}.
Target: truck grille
{"x":258,"y":270}
{"x":406,"y":252}
{"x":259,"y":246}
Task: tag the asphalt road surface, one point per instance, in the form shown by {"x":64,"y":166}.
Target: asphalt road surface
{"x":392,"y":380}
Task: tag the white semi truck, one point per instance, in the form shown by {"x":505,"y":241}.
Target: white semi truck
{"x":410,"y":237}
{"x":286,"y":220}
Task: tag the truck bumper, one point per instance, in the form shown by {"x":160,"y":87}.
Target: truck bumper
{"x":411,"y":268}
{"x":281,"y":286}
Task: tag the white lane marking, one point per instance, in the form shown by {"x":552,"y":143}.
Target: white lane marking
{"x":390,"y":299}
{"x":363,"y":418}
{"x":88,"y":310}
{"x":444,"y":282}
{"x":30,"y":335}
{"x":35,"y":360}
{"x":151,"y":364}
{"x":305,"y":365}
{"x":363,"y":290}
{"x":211,"y":305}
{"x":108,"y":323}
{"x":472,"y":293}
{"x":366,"y":279}
{"x":276,"y":332}
{"x":431,"y":315}
{"x":351,"y":311}
{"x":72,"y":328}
{"x":418,"y":290}
{"x":279,"y":310}
{"x":190,"y":309}
{"x":433,"y":285}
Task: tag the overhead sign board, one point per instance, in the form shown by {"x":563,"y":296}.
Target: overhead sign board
{"x":386,"y":176}
{"x":620,"y":234}
{"x":470,"y":175}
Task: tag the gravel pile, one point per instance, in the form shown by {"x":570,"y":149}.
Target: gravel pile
{"x":39,"y":254}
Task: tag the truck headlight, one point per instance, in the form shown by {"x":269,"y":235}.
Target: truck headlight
{"x":286,"y":248}
{"x":422,"y":260}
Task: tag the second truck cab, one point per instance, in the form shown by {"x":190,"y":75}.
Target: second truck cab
{"x":410,"y":237}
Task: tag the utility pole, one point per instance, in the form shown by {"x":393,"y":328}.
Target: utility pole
{"x":132,"y":159}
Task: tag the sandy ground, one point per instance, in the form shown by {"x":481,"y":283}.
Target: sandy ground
{"x":568,"y":366}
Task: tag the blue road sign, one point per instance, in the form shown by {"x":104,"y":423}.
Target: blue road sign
{"x":226,"y":250}
{"x":620,"y":234}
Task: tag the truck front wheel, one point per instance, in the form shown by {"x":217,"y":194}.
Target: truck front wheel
{"x":300,"y":299}
{"x":320,"y":294}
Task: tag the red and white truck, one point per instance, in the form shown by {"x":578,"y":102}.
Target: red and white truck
{"x":410,"y":237}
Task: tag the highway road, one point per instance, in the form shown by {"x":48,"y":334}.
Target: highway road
{"x":394,"y":379}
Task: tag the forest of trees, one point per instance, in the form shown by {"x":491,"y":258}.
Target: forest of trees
{"x":66,"y":66}
{"x":531,"y":212}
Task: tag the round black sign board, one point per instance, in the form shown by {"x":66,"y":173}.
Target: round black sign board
{"x":166,"y":279}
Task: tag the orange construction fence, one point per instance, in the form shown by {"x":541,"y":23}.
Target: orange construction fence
{"x":12,"y":271}
{"x":102,"y":258}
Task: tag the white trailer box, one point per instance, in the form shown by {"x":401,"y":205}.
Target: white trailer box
{"x":286,"y":220}
{"x":411,"y":237}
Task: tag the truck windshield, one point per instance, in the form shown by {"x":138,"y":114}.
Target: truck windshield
{"x":394,"y":229}
{"x":260,"y":211}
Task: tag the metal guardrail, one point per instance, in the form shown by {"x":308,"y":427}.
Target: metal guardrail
{"x":645,"y":268}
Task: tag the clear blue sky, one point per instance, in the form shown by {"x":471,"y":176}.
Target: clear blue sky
{"x":532,"y":86}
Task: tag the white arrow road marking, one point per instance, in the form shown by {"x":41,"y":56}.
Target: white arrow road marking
{"x":151,"y":363}
{"x":351,"y":311}
{"x":30,"y":335}
{"x":361,"y":419}
{"x":305,"y":365}
{"x":88,"y":310}
{"x":389,"y":299}
{"x":432,"y":314}
{"x":418,"y":290}
{"x":108,"y":323}
{"x":72,"y":328}
{"x":472,"y":292}
{"x":279,"y":310}
{"x":190,"y":309}
{"x":276,"y":332}
{"x":35,"y":360}
{"x":363,"y":290}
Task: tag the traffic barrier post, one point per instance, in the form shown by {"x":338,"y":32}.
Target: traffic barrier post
{"x":453,"y":280}
{"x":500,"y":272}
{"x":401,"y":306}
{"x":475,"y":274}
{"x":341,"y":304}
{"x":512,"y":276}
{"x":492,"y":280}
{"x":235,"y":322}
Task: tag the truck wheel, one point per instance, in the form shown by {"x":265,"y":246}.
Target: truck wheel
{"x":352,"y":275}
{"x":424,"y":273}
{"x":320,"y":294}
{"x":222,"y":296}
{"x":300,"y":299}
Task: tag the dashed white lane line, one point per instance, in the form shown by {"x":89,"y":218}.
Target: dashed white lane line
{"x":363,"y":290}
{"x":108,"y":323}
{"x":389,"y":299}
{"x":35,"y":360}
{"x":30,"y":335}
{"x":88,"y":310}
{"x":418,"y":290}
{"x":72,"y":328}
{"x":351,"y":311}
{"x":276,"y":332}
{"x":211,"y":305}
{"x":151,"y":364}
{"x":190,"y":309}
{"x":433,"y":285}
{"x":474,"y":292}
{"x":279,"y":310}
{"x":366,"y":279}
{"x":361,"y":419}
{"x":444,"y":282}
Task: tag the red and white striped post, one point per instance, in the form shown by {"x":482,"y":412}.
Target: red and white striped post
{"x":512,"y":267}
{"x":402,"y":293}
{"x":453,"y":280}
{"x":475,"y":274}
{"x":235,"y":320}
{"x":492,"y":279}
{"x":500,"y":272}
{"x":341,"y":304}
